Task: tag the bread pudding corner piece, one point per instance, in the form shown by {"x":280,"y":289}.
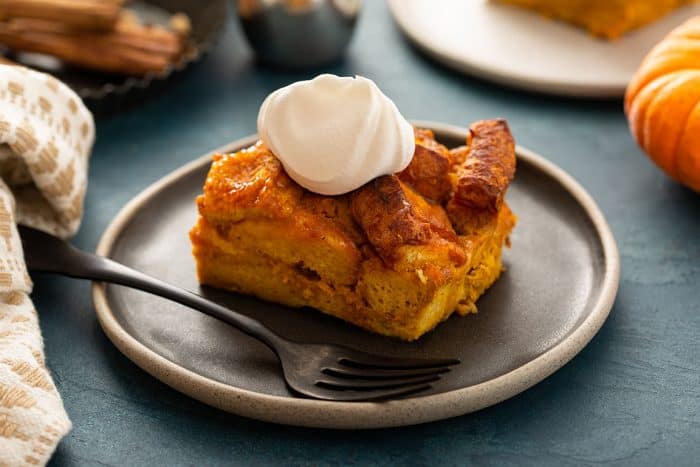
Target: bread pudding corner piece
{"x":262,"y":234}
{"x":609,"y":19}
{"x":396,"y":256}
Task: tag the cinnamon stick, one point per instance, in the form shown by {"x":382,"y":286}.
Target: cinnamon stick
{"x":130,"y":48}
{"x":126,"y":32}
{"x":90,"y":15}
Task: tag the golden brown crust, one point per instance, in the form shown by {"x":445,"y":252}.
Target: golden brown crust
{"x":429,"y":170}
{"x":458,"y":155}
{"x":250,"y":182}
{"x":336,"y":210}
{"x":484,"y":176}
{"x":392,"y":216}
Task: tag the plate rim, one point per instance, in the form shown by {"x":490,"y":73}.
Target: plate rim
{"x":363,"y":415}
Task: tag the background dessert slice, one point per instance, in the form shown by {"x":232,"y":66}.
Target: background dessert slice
{"x":609,"y":19}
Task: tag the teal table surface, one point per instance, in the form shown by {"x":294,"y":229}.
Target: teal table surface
{"x":632,"y":397}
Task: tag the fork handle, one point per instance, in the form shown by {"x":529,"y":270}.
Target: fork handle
{"x":72,"y":262}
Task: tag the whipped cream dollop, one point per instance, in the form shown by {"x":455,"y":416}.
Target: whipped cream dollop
{"x":334,"y":134}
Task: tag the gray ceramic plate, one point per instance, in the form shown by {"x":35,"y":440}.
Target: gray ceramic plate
{"x":562,"y":277}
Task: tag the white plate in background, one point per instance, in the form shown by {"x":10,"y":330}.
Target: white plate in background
{"x":520,"y":48}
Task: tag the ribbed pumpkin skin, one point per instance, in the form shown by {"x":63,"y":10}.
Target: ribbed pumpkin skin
{"x":662,"y":104}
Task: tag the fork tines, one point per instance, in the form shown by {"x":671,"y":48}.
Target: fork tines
{"x":369,"y":378}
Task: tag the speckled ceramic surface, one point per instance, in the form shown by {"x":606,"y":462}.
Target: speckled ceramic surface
{"x":519,"y":48}
{"x":562,"y":278}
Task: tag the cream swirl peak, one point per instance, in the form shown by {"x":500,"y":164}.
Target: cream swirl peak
{"x":334,"y":134}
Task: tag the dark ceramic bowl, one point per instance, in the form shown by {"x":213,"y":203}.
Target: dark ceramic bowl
{"x":106,"y":93}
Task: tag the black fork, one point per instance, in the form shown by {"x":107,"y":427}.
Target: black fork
{"x":321,"y":371}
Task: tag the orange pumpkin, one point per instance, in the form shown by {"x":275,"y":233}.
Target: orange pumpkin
{"x":663,"y":104}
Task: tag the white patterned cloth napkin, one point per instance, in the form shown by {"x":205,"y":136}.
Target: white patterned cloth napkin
{"x":46,"y":135}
